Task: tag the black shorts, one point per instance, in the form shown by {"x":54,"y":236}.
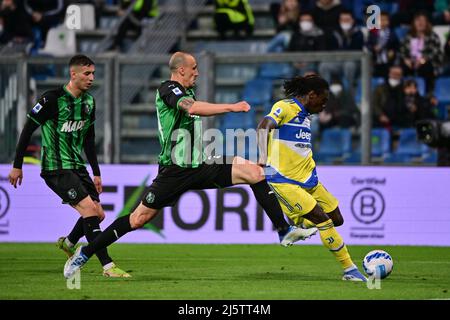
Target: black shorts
{"x":71,"y":186}
{"x":172,"y":181}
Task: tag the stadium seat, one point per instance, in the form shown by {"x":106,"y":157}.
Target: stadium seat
{"x":236,"y":71}
{"x":234,"y":120}
{"x":430,"y":157}
{"x":335,"y":145}
{"x":60,"y":42}
{"x":242,"y":121}
{"x":409,"y":148}
{"x":442,"y":110}
{"x":258,"y":92}
{"x":441,"y":90}
{"x":389,"y":7}
{"x":227,"y":96}
{"x":232,"y":46}
{"x":276,"y":70}
{"x":401,"y":32}
{"x":381,"y":146}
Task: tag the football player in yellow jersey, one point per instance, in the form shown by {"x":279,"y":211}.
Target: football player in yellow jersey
{"x":284,"y":141}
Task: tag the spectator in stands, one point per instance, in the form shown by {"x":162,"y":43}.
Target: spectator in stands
{"x":340,"y":110}
{"x":45,"y":14}
{"x":383,"y":44}
{"x":234,"y":15}
{"x":142,"y":10}
{"x":307,"y":37}
{"x":408,"y":8}
{"x":286,"y":18}
{"x":446,"y":68}
{"x":441,"y":14}
{"x":347,"y":37}
{"x":287,"y":15}
{"x":420,"y":51}
{"x":387,"y":100}
{"x":326,"y":14}
{"x":14,"y":22}
{"x":415,"y":106}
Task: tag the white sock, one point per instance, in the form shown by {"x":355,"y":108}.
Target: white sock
{"x":108,"y":266}
{"x":350,"y":268}
{"x":69,"y":244}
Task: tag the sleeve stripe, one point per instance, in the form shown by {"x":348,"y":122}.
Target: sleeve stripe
{"x":181,"y":99}
{"x":33,"y":119}
{"x":274,"y":121}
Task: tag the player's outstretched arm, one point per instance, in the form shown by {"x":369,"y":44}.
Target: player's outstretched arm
{"x":202,"y":108}
{"x":263,"y":131}
{"x":91,"y":155}
{"x":16,"y":175}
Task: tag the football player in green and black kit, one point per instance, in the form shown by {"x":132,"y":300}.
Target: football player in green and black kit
{"x":66,"y":116}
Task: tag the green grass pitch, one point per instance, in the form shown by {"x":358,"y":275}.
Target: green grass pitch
{"x":216,"y":272}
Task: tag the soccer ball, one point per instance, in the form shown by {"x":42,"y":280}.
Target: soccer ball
{"x":378,"y":263}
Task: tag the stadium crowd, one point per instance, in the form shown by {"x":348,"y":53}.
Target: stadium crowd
{"x":410,"y":50}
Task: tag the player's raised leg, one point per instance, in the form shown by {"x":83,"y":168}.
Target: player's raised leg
{"x":247,"y":172}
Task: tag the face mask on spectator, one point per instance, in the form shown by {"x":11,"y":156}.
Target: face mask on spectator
{"x":346,"y":26}
{"x":306,"y":25}
{"x":336,"y":88}
{"x":393,"y":82}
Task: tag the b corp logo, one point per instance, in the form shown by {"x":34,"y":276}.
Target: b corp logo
{"x":4,"y":202}
{"x":368,"y":205}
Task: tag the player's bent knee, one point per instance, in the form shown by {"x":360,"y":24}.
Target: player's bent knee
{"x":87,"y":207}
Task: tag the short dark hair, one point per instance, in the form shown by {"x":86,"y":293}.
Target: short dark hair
{"x":346,"y":11}
{"x":410,"y":82}
{"x":80,"y":60}
{"x":299,"y":86}
{"x":306,"y":13}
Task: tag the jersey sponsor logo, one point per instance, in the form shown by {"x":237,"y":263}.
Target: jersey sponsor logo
{"x":36,"y":108}
{"x":70,"y":126}
{"x":303,"y":145}
{"x":177,"y":91}
{"x":303,"y":135}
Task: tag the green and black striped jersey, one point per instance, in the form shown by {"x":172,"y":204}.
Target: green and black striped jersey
{"x":180,"y":134}
{"x":65,"y":121}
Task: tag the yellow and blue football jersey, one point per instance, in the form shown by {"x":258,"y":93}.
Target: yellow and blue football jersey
{"x":289,"y":150}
